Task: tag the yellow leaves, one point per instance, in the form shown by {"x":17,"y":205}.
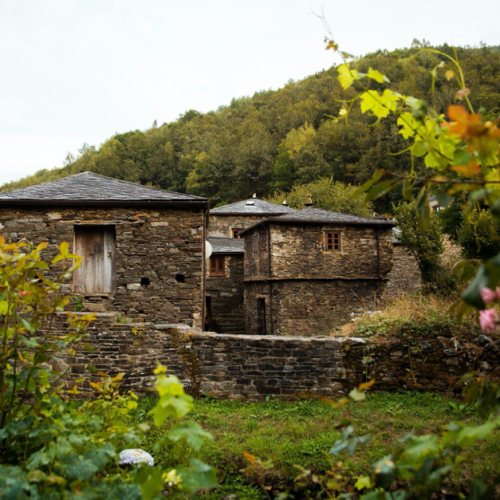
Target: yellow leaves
{"x":347,"y":76}
{"x":449,"y":74}
{"x":377,"y":76}
{"x":330,"y":44}
{"x":343,"y":112}
{"x":408,"y":123}
{"x":380,"y":105}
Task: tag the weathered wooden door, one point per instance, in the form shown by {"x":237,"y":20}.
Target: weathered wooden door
{"x":97,"y":246}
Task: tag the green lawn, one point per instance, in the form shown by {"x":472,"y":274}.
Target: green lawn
{"x":302,"y":432}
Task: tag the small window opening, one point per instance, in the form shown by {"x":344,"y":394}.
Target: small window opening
{"x":180,"y":278}
{"x":235,"y":233}
{"x":333,"y":240}
{"x":217,"y":265}
{"x":145,"y":282}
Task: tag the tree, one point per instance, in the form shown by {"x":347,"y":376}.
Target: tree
{"x":426,"y":245}
{"x":479,"y":235}
{"x":327,"y":194}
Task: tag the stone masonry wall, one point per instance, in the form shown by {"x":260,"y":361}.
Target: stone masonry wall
{"x":310,"y":307}
{"x":405,"y":275}
{"x":163,"y":246}
{"x":253,"y":367}
{"x":221,"y":225}
{"x":298,"y":252}
{"x":226,"y":297}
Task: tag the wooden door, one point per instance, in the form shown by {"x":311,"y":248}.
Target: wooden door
{"x":97,"y":246}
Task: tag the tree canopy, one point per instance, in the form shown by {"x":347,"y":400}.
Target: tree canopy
{"x":284,"y":138}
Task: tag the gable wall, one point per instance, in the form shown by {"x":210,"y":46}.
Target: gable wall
{"x":221,"y":225}
{"x":158,"y":244}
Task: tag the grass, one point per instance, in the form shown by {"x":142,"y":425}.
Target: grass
{"x":301,"y":432}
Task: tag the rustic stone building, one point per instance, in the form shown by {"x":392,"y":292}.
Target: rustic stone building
{"x":224,"y":286}
{"x":224,"y":281}
{"x":228,"y":220}
{"x":306,"y":272}
{"x":143,"y":248}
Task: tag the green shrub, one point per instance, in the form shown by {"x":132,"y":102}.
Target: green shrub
{"x":479,"y":235}
{"x":51,"y":447}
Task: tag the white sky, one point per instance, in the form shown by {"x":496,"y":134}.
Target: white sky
{"x":75,"y":71}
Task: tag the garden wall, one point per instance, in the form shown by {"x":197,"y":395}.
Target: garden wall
{"x":253,"y":367}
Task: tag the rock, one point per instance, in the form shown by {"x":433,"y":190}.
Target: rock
{"x":59,"y":366}
{"x":482,"y":340}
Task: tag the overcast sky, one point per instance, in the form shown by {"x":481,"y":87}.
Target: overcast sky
{"x":77,"y":71}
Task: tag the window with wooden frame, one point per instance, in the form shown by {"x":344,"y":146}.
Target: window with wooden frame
{"x":217,"y":265}
{"x":235,"y":233}
{"x":333,"y":240}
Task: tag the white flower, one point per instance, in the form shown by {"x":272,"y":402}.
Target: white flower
{"x":136,"y":456}
{"x":172,"y":478}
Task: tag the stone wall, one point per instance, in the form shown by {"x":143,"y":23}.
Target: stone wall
{"x":405,"y":275}
{"x":308,"y":307}
{"x":253,"y":367}
{"x":298,"y":252}
{"x":225,"y":296}
{"x":158,"y":256}
{"x":221,"y":225}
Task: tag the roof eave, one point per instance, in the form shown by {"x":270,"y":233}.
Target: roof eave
{"x":386,"y":224}
{"x":105,"y":203}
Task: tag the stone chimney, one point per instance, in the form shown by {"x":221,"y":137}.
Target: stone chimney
{"x":309,"y":202}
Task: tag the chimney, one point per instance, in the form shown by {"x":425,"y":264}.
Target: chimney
{"x":254,"y":195}
{"x":285,"y":203}
{"x":309,"y":202}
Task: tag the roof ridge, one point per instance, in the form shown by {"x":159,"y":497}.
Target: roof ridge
{"x":104,"y":177}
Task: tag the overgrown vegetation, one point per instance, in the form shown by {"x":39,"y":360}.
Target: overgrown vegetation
{"x":51,"y":447}
{"x":415,"y":316}
{"x":280,"y":139}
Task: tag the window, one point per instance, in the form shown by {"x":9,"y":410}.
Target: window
{"x":97,"y":246}
{"x":235,"y":233}
{"x":332,"y":240}
{"x":217,"y":265}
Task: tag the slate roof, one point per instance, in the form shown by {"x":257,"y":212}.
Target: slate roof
{"x":252,"y":206}
{"x":90,"y":188}
{"x":227,"y":245}
{"x":313,"y":215}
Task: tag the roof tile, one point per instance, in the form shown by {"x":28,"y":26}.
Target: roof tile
{"x":90,"y":187}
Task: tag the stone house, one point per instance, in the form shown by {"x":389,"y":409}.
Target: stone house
{"x":224,"y":286}
{"x":224,"y":281}
{"x":143,"y":248}
{"x":307,"y":271}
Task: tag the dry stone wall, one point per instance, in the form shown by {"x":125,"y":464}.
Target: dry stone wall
{"x":158,"y":256}
{"x":253,"y":367}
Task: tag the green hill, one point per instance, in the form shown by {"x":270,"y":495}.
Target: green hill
{"x":277,"y":139}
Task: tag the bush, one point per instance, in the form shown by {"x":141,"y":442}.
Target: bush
{"x":479,"y":235}
{"x":427,"y":246}
{"x":52,"y":447}
{"x":417,"y":316}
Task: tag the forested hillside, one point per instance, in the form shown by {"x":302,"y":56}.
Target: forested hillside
{"x":278,"y":139}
